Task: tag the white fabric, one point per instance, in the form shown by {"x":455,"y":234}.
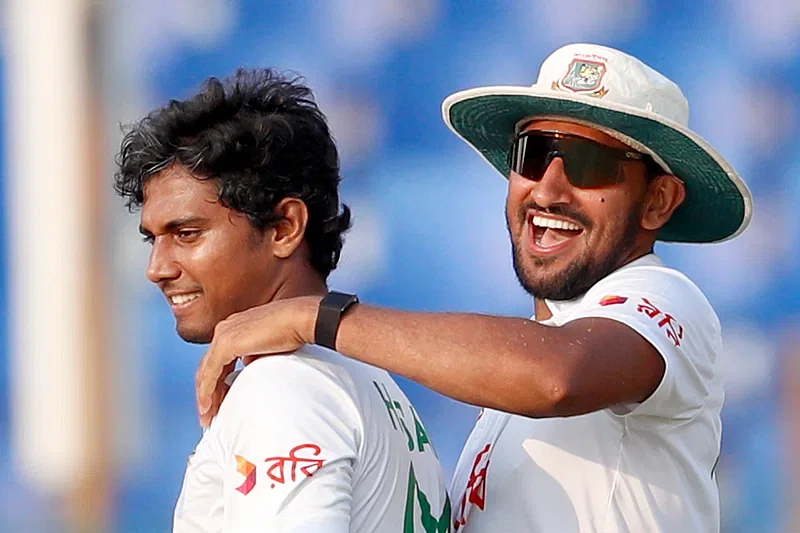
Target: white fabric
{"x":332,"y":443}
{"x":620,"y":78}
{"x":631,"y":469}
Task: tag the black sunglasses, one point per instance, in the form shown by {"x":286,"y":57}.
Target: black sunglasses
{"x":588,"y":164}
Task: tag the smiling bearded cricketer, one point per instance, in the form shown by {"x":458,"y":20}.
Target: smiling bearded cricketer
{"x":601,"y":414}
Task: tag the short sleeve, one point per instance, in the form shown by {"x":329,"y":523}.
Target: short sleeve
{"x":671,"y":313}
{"x":289,"y":438}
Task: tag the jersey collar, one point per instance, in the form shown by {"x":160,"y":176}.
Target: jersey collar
{"x":561,"y":307}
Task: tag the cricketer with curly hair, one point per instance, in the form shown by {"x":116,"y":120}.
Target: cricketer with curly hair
{"x":238,"y":190}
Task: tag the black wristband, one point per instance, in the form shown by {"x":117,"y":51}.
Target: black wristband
{"x":331,"y":309}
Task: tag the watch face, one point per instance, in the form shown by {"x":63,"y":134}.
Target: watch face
{"x":339,"y":300}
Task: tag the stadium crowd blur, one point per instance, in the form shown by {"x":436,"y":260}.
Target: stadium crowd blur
{"x":428,"y":229}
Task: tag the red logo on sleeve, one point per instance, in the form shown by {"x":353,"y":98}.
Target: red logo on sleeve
{"x":666,"y":321}
{"x":613,"y":299}
{"x":248,"y":470}
{"x":308,"y":462}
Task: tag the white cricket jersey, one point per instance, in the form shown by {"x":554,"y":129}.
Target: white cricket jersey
{"x":316,"y":443}
{"x":641,"y":468}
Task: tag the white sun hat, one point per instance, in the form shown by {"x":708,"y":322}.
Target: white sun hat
{"x":621,"y":96}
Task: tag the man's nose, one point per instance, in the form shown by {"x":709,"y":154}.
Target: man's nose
{"x":162,"y":267}
{"x":554,"y":187}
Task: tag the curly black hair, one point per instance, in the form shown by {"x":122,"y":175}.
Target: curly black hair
{"x":260,"y":135}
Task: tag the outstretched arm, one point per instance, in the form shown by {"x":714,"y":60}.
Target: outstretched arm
{"x":510,"y":364}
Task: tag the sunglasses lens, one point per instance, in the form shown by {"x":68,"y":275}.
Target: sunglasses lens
{"x":530,"y":155}
{"x":587,"y":164}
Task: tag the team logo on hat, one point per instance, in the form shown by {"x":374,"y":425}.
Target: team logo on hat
{"x":584,"y":75}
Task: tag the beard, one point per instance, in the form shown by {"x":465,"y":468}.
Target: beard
{"x":584,"y":271}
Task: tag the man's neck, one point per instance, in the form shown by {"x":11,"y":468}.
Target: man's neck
{"x":302,"y":282}
{"x":306,"y":282}
{"x":541,"y":311}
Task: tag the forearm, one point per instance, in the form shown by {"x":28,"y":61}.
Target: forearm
{"x":495,"y":362}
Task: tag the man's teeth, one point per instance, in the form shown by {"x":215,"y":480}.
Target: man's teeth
{"x":544,"y":222}
{"x":183,"y":298}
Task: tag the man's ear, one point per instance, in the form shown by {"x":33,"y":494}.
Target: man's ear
{"x":664,"y":195}
{"x":288,"y":232}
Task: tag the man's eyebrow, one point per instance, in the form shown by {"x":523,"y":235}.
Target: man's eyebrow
{"x":176,"y":224}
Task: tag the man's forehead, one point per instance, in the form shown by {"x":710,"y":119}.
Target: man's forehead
{"x":176,"y":194}
{"x":176,"y":182}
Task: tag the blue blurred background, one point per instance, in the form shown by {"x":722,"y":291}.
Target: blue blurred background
{"x":429,"y":232}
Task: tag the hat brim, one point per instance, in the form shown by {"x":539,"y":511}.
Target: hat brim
{"x":718,"y":204}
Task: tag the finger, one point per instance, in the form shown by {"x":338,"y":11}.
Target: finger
{"x":208,"y":416}
{"x":206,"y":381}
{"x":217,"y":395}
